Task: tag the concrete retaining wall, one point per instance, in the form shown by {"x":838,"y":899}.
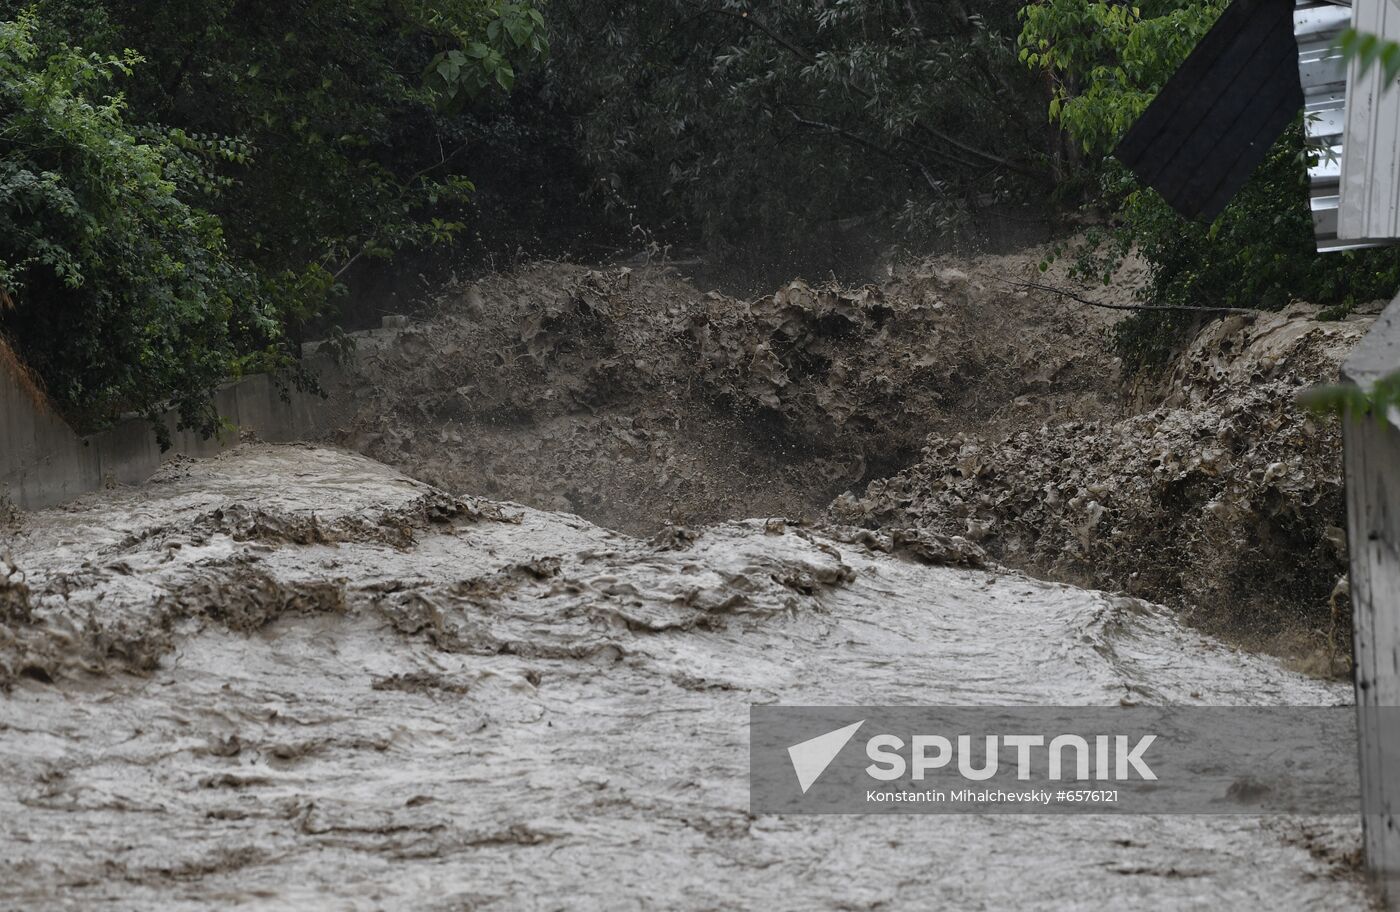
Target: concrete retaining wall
{"x":1373,"y":494}
{"x":43,"y":462}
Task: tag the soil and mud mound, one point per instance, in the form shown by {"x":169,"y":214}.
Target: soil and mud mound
{"x":1227,"y":499}
{"x":341,"y":688}
{"x":635,"y":400}
{"x":945,"y":398}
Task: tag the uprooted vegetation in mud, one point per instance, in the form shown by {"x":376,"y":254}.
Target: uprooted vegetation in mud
{"x":14,"y":593}
{"x":947,"y":398}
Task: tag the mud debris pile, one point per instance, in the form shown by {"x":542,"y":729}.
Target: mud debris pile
{"x":1225,"y":499}
{"x":635,"y":400}
{"x":360,"y":692}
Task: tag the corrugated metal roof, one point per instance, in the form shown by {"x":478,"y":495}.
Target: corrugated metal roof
{"x":1216,"y":119}
{"x":1370,"y":172}
{"x":1318,"y":26}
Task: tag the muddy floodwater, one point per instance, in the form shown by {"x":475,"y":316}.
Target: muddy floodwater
{"x":291,"y":677}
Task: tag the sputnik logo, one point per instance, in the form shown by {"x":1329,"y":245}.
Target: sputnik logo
{"x":811,"y":758}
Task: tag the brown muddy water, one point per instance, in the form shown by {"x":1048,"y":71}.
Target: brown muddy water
{"x":291,"y":677}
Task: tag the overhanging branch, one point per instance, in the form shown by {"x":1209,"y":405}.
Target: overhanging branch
{"x":1064,"y":293}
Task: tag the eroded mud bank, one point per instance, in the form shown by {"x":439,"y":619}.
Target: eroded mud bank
{"x":1224,"y":498}
{"x":292,"y":677}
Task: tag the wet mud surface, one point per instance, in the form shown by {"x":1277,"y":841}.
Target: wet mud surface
{"x":1225,"y":498}
{"x":636,"y":399}
{"x":291,"y":677}
{"x":945,"y":398}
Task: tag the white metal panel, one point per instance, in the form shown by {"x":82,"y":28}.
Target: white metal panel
{"x":1318,"y":25}
{"x":1370,"y":183}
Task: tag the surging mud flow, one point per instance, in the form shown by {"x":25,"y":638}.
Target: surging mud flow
{"x":518,"y":675}
{"x":292,"y":677}
{"x":948,"y":397}
{"x":636,"y":400}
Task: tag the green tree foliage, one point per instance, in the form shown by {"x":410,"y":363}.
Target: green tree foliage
{"x":1348,"y":399}
{"x":183,"y":211}
{"x":1371,"y":51}
{"x":254,"y":150}
{"x":120,"y":294}
{"x":756,"y":123}
{"x":1107,"y":61}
